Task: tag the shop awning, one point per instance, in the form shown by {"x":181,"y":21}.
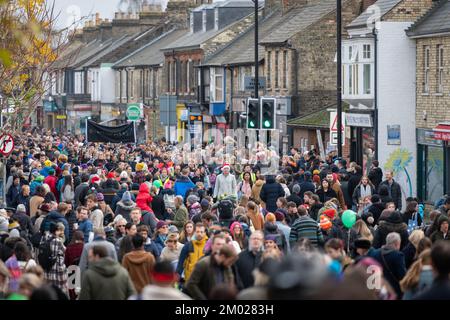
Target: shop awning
{"x":442,"y":131}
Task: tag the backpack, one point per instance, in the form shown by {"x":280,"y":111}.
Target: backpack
{"x":225,"y":208}
{"x":45,"y":257}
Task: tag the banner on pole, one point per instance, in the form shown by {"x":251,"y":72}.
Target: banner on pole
{"x":120,"y":134}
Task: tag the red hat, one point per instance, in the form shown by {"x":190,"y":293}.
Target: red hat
{"x":330,"y":213}
{"x":325,"y":224}
{"x":95,"y":179}
{"x":111,"y":175}
{"x":226,"y":165}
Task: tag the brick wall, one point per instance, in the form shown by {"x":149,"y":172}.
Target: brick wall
{"x":408,"y":10}
{"x":436,"y":105}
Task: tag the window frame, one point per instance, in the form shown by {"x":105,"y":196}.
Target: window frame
{"x":426,"y":69}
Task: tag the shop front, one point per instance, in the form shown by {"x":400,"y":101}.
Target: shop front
{"x":433,"y":163}
{"x":362,"y":133}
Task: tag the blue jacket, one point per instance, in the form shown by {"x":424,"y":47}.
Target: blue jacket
{"x":55,"y":217}
{"x":182,"y":185}
{"x":33,"y":186}
{"x":85,"y":227}
{"x":44,"y":171}
{"x":159,"y":244}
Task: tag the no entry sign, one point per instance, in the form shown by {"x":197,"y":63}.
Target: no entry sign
{"x":6,"y":144}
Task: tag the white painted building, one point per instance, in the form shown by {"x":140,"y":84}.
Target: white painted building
{"x":379,"y":71}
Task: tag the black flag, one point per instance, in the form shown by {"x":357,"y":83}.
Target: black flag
{"x":120,"y":134}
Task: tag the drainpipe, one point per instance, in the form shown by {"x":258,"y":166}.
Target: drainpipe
{"x":375,"y":100}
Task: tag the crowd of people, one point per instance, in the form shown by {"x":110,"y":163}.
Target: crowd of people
{"x":144,"y":222}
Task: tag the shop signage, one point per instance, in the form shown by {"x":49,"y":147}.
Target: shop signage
{"x":359,"y":120}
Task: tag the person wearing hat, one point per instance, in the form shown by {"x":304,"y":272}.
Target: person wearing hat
{"x":363,"y":248}
{"x":111,"y":185}
{"x":225,"y":184}
{"x":37,"y":180}
{"x":47,"y":167}
{"x":125,"y":206}
{"x":163,"y":280}
{"x":172,"y":250}
{"x":160,"y":236}
{"x":392,"y":223}
{"x":158,"y":205}
{"x":51,"y":181}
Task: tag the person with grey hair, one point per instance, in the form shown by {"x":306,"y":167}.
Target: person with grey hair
{"x":392,"y":260}
{"x":295,"y":195}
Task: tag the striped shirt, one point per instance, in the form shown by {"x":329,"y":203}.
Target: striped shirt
{"x":305,"y":227}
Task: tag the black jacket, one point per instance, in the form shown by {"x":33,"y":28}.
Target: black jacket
{"x":314,"y":211}
{"x":355,"y":179}
{"x":375,"y":176}
{"x":393,"y":223}
{"x":396,"y":193}
{"x":410,"y":252}
{"x":159,"y":208}
{"x":357,"y":193}
{"x":295,"y":198}
{"x":325,"y":196}
{"x":270,"y":192}
{"x":376,"y":209}
{"x":246,"y":263}
{"x":306,"y":186}
{"x":393,"y":263}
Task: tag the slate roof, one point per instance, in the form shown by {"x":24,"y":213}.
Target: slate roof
{"x":193,"y":40}
{"x":241,"y":50}
{"x":436,"y":20}
{"x":151,"y":53}
{"x":68,"y":55}
{"x":89,"y":51}
{"x":384,"y":5}
{"x":298,"y":19}
{"x":113,"y":46}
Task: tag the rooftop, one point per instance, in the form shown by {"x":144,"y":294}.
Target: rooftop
{"x":385,"y":6}
{"x":435,"y":21}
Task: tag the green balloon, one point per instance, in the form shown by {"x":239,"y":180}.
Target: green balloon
{"x":349,"y":218}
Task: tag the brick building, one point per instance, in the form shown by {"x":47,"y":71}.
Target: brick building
{"x":432,"y":38}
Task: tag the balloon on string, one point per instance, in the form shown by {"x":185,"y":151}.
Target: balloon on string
{"x":349,"y":218}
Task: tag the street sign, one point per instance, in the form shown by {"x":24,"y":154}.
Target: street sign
{"x":6,"y":144}
{"x":334,"y":130}
{"x":133,"y":112}
{"x":249,"y":83}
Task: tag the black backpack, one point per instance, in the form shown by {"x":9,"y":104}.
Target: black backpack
{"x":45,"y":257}
{"x":226,"y":208}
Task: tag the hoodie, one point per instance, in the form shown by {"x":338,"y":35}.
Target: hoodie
{"x":144,"y":199}
{"x":106,"y":279}
{"x":125,"y":206}
{"x":182,"y":185}
{"x":139,"y":264}
{"x":393,"y":223}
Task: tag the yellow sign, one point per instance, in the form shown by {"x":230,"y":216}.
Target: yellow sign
{"x":61,"y":117}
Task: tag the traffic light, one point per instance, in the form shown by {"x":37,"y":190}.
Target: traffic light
{"x":268,"y":114}
{"x":253,"y":114}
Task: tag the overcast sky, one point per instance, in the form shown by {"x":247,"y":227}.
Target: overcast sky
{"x":68,"y":9}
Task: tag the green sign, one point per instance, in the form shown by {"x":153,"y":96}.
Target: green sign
{"x":133,"y":112}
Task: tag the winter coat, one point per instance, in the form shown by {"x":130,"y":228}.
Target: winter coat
{"x":181,"y":217}
{"x":33,"y":185}
{"x":106,"y":279}
{"x":306,"y":227}
{"x":246,"y":263}
{"x":171,"y":255}
{"x":21,"y":199}
{"x":149,"y":219}
{"x":439,"y":290}
{"x":225,"y":185}
{"x":81,"y":192}
{"x":52,"y":181}
{"x":159,"y":207}
{"x":324,"y":196}
{"x":139,"y":264}
{"x":357,"y":193}
{"x":205,"y":277}
{"x":73,"y":254}
{"x":375,"y":176}
{"x":182,"y":185}
{"x":412,"y":216}
{"x":35,"y":202}
{"x":12,"y":195}
{"x":270,"y":192}
{"x":393,"y":223}
{"x":353,"y":181}
{"x":67,"y":194}
{"x":376,"y":209}
{"x":144,"y":199}
{"x":296,"y":199}
{"x":86,"y":227}
{"x":118,"y":197}
{"x":393,"y":263}
{"x":55,"y":217}
{"x":189,"y":256}
{"x":57,"y":274}
{"x":112,"y":254}
{"x":257,"y":219}
{"x":314,"y":211}
{"x":410,"y":252}
{"x":340,"y":195}
{"x":110,"y":184}
{"x":97,"y":217}
{"x":24,"y":221}
{"x":347,"y":198}
{"x":396,"y":193}
{"x":124,"y":209}
{"x":256,"y":190}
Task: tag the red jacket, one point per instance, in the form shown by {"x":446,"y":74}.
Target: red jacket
{"x":73,"y":254}
{"x":52,"y":181}
{"x":144,"y":199}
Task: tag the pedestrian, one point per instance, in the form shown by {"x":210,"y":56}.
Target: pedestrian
{"x":307,"y":228}
{"x":394,"y":189}
{"x":325,"y":192}
{"x":187,"y":233}
{"x":181,"y":214}
{"x":225,"y":184}
{"x":375,"y":174}
{"x":105,"y":279}
{"x":139,"y":263}
{"x":183,"y":183}
{"x":172,"y":249}
{"x":419,"y":277}
{"x":393,"y":223}
{"x":270,"y":192}
{"x":442,"y":232}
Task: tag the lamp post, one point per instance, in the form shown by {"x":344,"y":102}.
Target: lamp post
{"x":339,"y":75}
